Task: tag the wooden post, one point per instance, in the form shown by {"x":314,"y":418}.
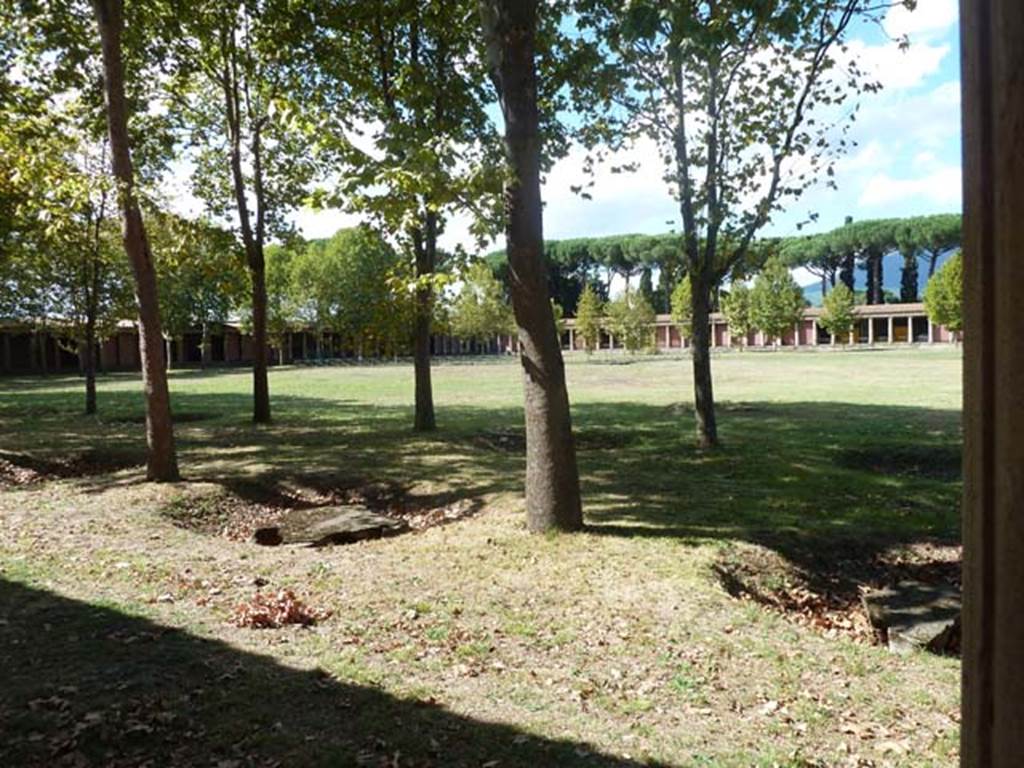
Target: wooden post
{"x":992,"y":77}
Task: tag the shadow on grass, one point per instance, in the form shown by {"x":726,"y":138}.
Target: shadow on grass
{"x":88,"y":685}
{"x":811,"y":480}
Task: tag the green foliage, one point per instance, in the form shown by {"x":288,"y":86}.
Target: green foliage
{"x":682,"y":307}
{"x":776,"y":301}
{"x":837,"y":316}
{"x":480,"y":311}
{"x":200,"y":269}
{"x":61,"y":258}
{"x":736,"y":306}
{"x":345,"y":284}
{"x":589,"y":319}
{"x":944,"y":295}
{"x":631,"y":319}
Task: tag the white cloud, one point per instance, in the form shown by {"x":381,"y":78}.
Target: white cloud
{"x":929,"y":18}
{"x":894,"y":68}
{"x":941,"y":187}
{"x":621,"y":202}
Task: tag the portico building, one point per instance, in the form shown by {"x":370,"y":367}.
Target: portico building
{"x":876,"y":324}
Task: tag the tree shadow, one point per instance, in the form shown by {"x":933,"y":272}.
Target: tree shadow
{"x":90,"y":685}
{"x":810,"y":480}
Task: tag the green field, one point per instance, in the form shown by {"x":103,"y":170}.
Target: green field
{"x":474,"y":643}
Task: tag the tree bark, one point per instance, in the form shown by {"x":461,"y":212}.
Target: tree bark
{"x":552,"y":479}
{"x":205,"y":353}
{"x":700,"y":337}
{"x":425,"y":244}
{"x":846,"y":271}
{"x":89,"y":365}
{"x":908,"y":278}
{"x":992,"y":730}
{"x":252,"y":237}
{"x":162,"y":462}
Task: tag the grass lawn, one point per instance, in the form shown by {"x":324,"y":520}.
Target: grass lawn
{"x":474,"y":643}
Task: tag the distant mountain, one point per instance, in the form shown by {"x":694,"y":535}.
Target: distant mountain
{"x":892,"y":266}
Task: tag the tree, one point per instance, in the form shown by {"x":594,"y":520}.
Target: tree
{"x":730,"y":92}
{"x":201,"y":274}
{"x":480,"y":311}
{"x":631,"y":318}
{"x":282,"y":305}
{"x":236,"y":86}
{"x":817,"y":254}
{"x":552,"y":479}
{"x":944,"y":295}
{"x":736,"y":306}
{"x":935,"y":235}
{"x":589,"y":319}
{"x":344,"y":285}
{"x":682,"y":307}
{"x":837,"y":316}
{"x":418,"y":80}
{"x":776,"y":301}
{"x":162,"y":462}
{"x":67,"y":263}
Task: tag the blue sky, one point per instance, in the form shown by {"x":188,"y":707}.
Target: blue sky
{"x":907,"y":161}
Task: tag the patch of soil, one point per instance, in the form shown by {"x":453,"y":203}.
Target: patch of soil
{"x":237,"y":511}
{"x":825,"y":591}
{"x":19,"y":469}
{"x":934,"y":462}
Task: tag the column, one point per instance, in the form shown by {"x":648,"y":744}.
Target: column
{"x":892,"y":336}
{"x":931,"y":331}
{"x":814,"y":333}
{"x":668,"y":337}
{"x":832,"y":339}
{"x":572,"y":339}
{"x":992,"y":726}
{"x":797,"y":330}
{"x":871,"y":330}
{"x":611,"y":340}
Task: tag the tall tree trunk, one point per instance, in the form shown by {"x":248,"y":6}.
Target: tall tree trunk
{"x":260,"y":383}
{"x":162,"y":462}
{"x":700,"y":333}
{"x":426,"y":261}
{"x":846,"y":271}
{"x":252,"y":237}
{"x":552,"y":479}
{"x":205,"y":353}
{"x":908,"y":278}
{"x":89,"y":364}
{"x":879,"y":282}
